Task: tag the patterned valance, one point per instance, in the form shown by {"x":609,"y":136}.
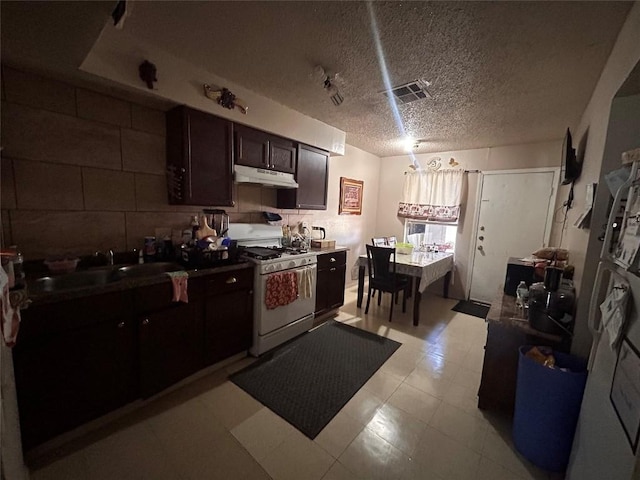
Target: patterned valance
{"x":432,"y":195}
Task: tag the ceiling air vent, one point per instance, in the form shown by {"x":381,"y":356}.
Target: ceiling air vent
{"x":409,"y":92}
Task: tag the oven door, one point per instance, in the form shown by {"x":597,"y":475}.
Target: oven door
{"x":269,"y":320}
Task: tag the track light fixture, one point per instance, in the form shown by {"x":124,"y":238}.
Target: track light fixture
{"x":328,"y":82}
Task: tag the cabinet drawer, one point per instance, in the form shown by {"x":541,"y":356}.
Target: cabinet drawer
{"x":329,"y":260}
{"x":69,"y":315}
{"x":229,"y":281}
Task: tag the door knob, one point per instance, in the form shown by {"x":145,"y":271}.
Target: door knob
{"x":480,"y":248}
{"x":480,"y":237}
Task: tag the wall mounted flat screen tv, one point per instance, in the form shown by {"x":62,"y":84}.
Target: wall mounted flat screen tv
{"x":570,"y":164}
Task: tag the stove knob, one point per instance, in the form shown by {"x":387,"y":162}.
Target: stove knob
{"x":292,"y":264}
{"x":269,"y":268}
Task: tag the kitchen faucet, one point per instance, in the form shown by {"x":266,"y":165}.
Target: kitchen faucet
{"x":108,"y":255}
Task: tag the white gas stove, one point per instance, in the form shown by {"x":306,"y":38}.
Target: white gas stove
{"x":270,"y":260}
{"x":273,"y":325}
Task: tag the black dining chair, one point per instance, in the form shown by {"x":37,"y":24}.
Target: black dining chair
{"x":389,"y":242}
{"x":381,"y":262}
{"x":379,"y":241}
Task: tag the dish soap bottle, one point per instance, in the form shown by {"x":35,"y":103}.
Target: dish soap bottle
{"x":195,"y":226}
{"x":18,"y":267}
{"x":522,"y":294}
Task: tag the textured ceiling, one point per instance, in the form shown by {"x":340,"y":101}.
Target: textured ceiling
{"x":501,"y":72}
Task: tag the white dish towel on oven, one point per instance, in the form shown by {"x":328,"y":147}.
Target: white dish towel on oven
{"x":305,"y":283}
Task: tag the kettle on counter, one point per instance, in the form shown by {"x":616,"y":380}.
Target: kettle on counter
{"x":318,"y":233}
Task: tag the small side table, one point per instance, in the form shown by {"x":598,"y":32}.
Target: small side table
{"x":507,"y":330}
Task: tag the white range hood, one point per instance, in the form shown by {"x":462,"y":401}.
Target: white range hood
{"x":268,"y":178}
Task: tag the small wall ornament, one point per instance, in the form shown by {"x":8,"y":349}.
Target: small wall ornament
{"x":434,"y":164}
{"x":225,"y":98}
{"x":147,"y":72}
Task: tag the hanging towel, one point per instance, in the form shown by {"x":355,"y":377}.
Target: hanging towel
{"x":282,"y":289}
{"x":179,"y":281}
{"x":305,"y":283}
{"x":10,"y":313}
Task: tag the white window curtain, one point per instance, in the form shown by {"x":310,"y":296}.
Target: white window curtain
{"x":432,"y":195}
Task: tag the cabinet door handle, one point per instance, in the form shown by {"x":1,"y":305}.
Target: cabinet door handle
{"x":333,"y":269}
{"x":121,"y":325}
{"x":145,"y":321}
{"x":232,"y":280}
{"x":332,"y":260}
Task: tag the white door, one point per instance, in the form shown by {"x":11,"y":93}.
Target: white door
{"x":515,"y":216}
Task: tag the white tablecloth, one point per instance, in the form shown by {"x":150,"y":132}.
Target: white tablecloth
{"x":428,"y":266}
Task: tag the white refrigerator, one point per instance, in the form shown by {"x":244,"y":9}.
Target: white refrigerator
{"x":605,"y":445}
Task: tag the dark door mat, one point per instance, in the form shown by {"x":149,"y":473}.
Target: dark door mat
{"x":476,"y":309}
{"x":308,"y":380}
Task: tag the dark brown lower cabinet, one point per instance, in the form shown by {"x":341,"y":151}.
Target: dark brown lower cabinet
{"x":228,"y":325}
{"x":74,"y":361}
{"x":169,"y":334}
{"x":501,"y":355}
{"x":332,"y":269}
{"x":169,"y":346}
{"x":77,"y":360}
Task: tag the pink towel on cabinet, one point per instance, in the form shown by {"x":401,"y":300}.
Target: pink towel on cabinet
{"x":179,"y":281}
{"x":10,"y":315}
{"x":282,"y":289}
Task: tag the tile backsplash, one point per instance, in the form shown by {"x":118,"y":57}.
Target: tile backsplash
{"x":83,"y":171}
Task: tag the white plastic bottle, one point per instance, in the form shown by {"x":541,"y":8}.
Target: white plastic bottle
{"x":18,"y":267}
{"x":522,"y":294}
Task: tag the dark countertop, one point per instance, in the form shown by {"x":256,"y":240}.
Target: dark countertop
{"x":41,"y":298}
{"x":503,"y":311}
{"x":322,"y":251}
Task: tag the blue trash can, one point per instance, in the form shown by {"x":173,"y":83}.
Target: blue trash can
{"x":547,"y":406}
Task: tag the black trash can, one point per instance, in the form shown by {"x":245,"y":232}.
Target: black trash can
{"x":547,"y":407}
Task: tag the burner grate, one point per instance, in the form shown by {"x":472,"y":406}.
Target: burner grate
{"x":262,"y":253}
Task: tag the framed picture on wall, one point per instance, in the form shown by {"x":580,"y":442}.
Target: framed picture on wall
{"x":625,"y":391}
{"x":350,"y":196}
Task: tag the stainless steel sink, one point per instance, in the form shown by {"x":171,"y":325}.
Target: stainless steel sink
{"x":88,"y":278}
{"x":101,"y":276}
{"x":148,"y":269}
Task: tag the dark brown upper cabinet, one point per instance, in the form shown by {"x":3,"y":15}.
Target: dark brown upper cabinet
{"x":255,"y":148}
{"x":312,"y":176}
{"x":199,"y":158}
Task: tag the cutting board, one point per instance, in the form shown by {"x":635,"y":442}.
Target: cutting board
{"x":323,"y":243}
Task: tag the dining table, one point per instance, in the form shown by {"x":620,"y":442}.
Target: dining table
{"x":424,"y":268}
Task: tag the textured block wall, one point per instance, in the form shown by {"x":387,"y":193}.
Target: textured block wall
{"x":83,"y":171}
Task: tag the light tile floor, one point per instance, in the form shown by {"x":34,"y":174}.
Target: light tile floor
{"x":416,"y":418}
